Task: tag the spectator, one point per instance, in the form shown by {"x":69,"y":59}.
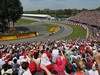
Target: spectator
{"x":6,"y":69}
{"x":25,"y":69}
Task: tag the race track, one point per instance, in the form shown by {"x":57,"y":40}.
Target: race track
{"x":44,"y":35}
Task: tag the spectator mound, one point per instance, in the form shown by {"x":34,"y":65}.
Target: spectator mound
{"x":87,"y":17}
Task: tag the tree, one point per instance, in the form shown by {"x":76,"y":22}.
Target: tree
{"x":3,"y":16}
{"x":98,"y":8}
{"x":11,"y":11}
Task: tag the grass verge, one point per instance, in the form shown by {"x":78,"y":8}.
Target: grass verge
{"x":78,"y":32}
{"x":24,"y":21}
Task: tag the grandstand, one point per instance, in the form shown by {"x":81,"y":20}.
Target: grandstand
{"x":39,"y":16}
{"x":87,"y":17}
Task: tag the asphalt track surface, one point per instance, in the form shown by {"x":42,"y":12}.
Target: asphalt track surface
{"x":44,"y":35}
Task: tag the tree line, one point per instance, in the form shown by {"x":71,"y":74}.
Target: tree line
{"x":10,"y":12}
{"x":60,"y":12}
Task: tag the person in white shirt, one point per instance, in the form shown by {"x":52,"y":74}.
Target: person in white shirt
{"x":45,"y":60}
{"x":93,"y":72}
{"x":24,"y":69}
{"x":6,"y":69}
{"x":55,"y":54}
{"x":27,"y":72}
{"x":2,"y":62}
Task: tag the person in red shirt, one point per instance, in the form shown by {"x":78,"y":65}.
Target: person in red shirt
{"x":32,"y":67}
{"x":60,"y":64}
{"x":82,"y":49}
{"x":48,"y":52}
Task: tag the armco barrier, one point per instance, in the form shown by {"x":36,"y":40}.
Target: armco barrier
{"x":8,"y":38}
{"x":19,"y":36}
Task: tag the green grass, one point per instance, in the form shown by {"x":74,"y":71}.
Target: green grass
{"x":78,"y":32}
{"x":24,"y":21}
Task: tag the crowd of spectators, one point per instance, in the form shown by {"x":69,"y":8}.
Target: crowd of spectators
{"x":88,"y":17}
{"x":81,"y":57}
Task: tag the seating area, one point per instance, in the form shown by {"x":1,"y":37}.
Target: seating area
{"x":55,"y":57}
{"x":80,"y":57}
{"x":88,"y":17}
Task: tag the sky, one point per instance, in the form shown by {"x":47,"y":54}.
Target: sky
{"x":59,"y":4}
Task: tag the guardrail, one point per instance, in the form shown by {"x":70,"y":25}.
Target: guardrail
{"x":19,"y":36}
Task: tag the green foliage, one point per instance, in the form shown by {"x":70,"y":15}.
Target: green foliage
{"x":57,"y":13}
{"x":15,"y":10}
{"x":98,"y":8}
{"x":10,"y":11}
